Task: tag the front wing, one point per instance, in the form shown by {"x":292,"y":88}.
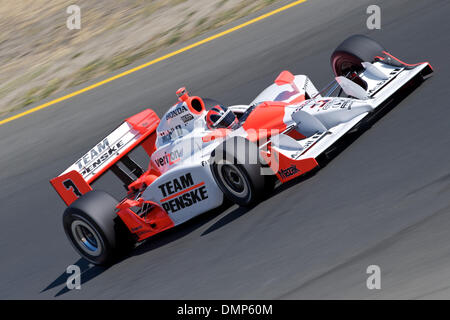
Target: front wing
{"x":290,"y":158}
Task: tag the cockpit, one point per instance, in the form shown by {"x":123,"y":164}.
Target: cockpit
{"x":194,"y":113}
{"x":221,"y":117}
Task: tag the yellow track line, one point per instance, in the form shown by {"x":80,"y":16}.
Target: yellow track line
{"x":167,"y":56}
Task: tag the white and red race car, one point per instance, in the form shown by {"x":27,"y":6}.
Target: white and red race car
{"x":200,"y":154}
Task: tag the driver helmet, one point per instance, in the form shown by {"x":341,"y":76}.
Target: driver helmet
{"x":221,"y":117}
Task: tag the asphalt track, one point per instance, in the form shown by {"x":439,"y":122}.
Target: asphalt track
{"x":384,"y":200}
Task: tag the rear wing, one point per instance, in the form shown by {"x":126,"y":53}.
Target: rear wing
{"x":137,"y":130}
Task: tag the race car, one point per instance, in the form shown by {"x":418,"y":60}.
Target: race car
{"x":202,"y":152}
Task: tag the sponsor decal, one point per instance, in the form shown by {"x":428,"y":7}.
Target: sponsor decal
{"x":187,"y":117}
{"x":311,"y":141}
{"x":97,"y":156}
{"x":175,"y":112}
{"x":382,"y":83}
{"x":328,"y":105}
{"x":305,"y":104}
{"x":181,"y":193}
{"x":169,"y":134}
{"x":177,"y":184}
{"x":377,"y":87}
{"x":338,"y":103}
{"x":288,"y":172}
{"x":347,"y":104}
{"x":93,"y":154}
{"x":305,"y":85}
{"x":321,"y":103}
{"x":169,"y":158}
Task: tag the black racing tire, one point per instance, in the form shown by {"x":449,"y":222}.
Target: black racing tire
{"x":347,"y":57}
{"x":236,"y":168}
{"x":93,"y":228}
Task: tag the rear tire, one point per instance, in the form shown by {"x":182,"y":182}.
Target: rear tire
{"x":347,"y":57}
{"x":93,"y":229}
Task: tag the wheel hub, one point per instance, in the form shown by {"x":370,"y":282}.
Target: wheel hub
{"x":86,"y":238}
{"x":233,"y":178}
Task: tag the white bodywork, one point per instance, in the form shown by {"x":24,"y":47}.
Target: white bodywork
{"x":186,"y":186}
{"x":338,"y":115}
{"x":323,"y":120}
{"x":180,"y":149}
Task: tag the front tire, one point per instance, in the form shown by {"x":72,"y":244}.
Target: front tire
{"x":91,"y":226}
{"x":347,"y":57}
{"x":237,"y":176}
